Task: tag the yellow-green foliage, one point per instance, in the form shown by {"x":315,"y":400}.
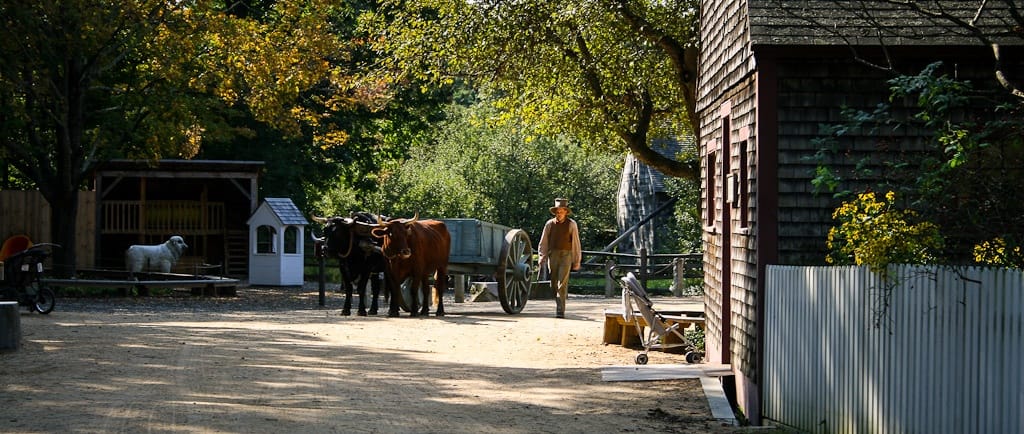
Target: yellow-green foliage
{"x":875,"y":233}
{"x":998,"y":252}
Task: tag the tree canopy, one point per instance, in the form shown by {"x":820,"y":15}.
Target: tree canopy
{"x":613,"y":73}
{"x":507,"y":175}
{"x":958,"y":185}
{"x":326,"y":101}
{"x":88,"y":80}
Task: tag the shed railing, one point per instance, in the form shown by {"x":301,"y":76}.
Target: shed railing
{"x":645,"y":265}
{"x":181,"y":217}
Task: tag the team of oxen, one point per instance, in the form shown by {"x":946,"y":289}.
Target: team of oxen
{"x":401,"y":249}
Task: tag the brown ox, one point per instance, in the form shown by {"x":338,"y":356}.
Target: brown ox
{"x":416,"y":249}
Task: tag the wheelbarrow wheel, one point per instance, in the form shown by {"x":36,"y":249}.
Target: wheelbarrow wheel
{"x":694,"y":357}
{"x":44,"y":301}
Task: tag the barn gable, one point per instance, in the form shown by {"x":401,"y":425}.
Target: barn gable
{"x":642,"y":196}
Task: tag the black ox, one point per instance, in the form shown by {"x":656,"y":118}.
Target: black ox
{"x":359,"y":255}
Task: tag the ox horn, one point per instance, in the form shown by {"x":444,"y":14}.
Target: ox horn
{"x":363,"y":228}
{"x":315,"y":238}
{"x":321,"y":220}
{"x":414,"y":217}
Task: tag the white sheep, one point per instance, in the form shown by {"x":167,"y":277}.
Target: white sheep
{"x":160,"y":257}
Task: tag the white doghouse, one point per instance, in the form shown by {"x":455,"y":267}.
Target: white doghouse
{"x":160,"y":257}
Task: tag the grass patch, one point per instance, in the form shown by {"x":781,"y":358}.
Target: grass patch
{"x":595,"y":285}
{"x":311,"y":273}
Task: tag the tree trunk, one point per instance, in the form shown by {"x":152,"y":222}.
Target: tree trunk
{"x":63,"y":228}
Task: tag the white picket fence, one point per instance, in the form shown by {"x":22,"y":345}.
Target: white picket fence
{"x":941,"y":351}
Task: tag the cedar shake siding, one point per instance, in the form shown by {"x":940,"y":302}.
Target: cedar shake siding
{"x":725,"y":104}
{"x":811,"y":94}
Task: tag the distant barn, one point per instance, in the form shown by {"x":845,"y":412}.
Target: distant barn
{"x":642,"y":196}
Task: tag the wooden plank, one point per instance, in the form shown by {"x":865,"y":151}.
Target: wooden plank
{"x":183,"y":283}
{"x":618,"y":330}
{"x":664,"y":372}
{"x":721,"y":409}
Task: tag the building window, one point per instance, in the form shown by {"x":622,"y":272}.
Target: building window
{"x":709,"y":177}
{"x":291,"y":239}
{"x":265,"y":239}
{"x":744,"y":187}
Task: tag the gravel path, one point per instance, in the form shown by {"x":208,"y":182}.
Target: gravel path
{"x":272,"y":360}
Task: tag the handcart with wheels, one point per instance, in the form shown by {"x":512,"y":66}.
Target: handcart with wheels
{"x":22,"y":280}
{"x":638,"y":309}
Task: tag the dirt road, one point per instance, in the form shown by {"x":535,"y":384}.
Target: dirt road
{"x":273,"y":361}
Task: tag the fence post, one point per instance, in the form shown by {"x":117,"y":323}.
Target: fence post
{"x":609,"y":286}
{"x":320,"y":272}
{"x":460,"y":288}
{"x":643,"y":266}
{"x":678,"y":275}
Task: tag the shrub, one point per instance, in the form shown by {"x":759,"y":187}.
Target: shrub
{"x":999,"y":252}
{"x":876,"y":233}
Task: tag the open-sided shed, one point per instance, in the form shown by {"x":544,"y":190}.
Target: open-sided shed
{"x":206,"y":202}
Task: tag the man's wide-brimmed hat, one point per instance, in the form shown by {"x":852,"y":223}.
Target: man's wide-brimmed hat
{"x":561,"y":203}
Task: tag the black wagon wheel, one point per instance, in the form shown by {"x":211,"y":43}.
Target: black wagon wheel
{"x":516,"y":271}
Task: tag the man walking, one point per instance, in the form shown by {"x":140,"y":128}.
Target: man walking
{"x":560,"y":247}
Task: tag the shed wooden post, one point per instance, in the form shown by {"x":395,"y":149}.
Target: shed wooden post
{"x":321,"y":272}
{"x":460,"y":287}
{"x":10,"y":325}
{"x":678,"y":276}
{"x":643,"y":266}
{"x":609,"y":285}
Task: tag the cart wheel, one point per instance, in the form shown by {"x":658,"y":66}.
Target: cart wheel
{"x":44,"y":301}
{"x":516,"y":271}
{"x":641,"y":359}
{"x":694,"y":357}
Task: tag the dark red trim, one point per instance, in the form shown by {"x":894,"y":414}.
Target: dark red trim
{"x":767,"y":149}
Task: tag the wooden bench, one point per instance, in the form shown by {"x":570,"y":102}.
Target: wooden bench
{"x":195,"y":265}
{"x":617,"y":330}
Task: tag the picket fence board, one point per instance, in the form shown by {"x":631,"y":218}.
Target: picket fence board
{"x":939,"y":350}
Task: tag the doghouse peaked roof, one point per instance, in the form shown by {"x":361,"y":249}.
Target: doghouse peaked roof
{"x":284,"y":209}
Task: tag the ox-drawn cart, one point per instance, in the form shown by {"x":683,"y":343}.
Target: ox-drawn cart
{"x":482,"y":248}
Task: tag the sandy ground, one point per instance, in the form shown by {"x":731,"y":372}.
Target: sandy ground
{"x":274,"y":361}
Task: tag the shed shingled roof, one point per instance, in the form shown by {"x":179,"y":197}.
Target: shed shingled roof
{"x":669,"y":147}
{"x":286,"y":210}
{"x":875,"y":22}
